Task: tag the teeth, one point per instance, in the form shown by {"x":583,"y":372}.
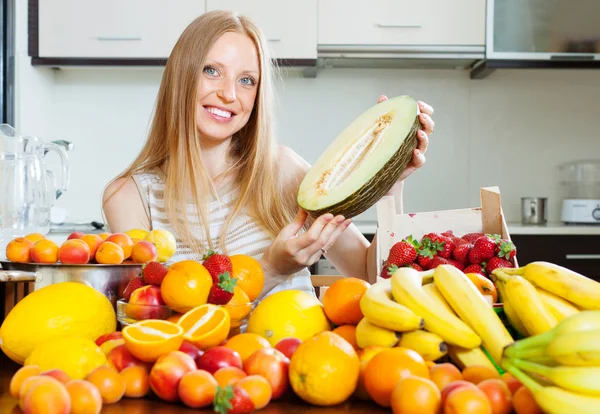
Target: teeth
{"x":219,"y":112}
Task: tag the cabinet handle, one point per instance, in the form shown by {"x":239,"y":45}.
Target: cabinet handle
{"x":398,"y":26}
{"x":582,"y":256}
{"x":118,"y":38}
{"x":276,"y":39}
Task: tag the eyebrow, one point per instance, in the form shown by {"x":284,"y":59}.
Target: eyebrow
{"x":249,"y":71}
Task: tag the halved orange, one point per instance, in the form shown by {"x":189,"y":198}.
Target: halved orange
{"x":149,"y":339}
{"x":206,"y":325}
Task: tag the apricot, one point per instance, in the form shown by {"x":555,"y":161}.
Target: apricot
{"x":76,"y":235}
{"x":109,"y":253}
{"x":18,"y":250}
{"x":109,"y":383}
{"x":74,"y":251}
{"x":85,"y":397}
{"x":197,"y":388}
{"x":104,"y":236}
{"x":93,"y":241}
{"x":258,"y":388}
{"x":144,"y":252}
{"x":136,"y":381}
{"x":47,"y":395}
{"x":478,"y":373}
{"x":524,"y":403}
{"x":512,"y":383}
{"x":120,"y":358}
{"x":57,"y":374}
{"x":166,"y":373}
{"x":454,"y":385}
{"x":444,"y":373}
{"x":498,"y":395}
{"x":44,"y":251}
{"x":21,"y":375}
{"x":229,"y":375}
{"x":271,"y":364}
{"x":470,"y":400}
{"x":34,"y":237}
{"x":416,"y":395}
{"x":124,"y":241}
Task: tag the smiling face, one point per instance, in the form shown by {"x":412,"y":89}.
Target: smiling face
{"x":227,"y":87}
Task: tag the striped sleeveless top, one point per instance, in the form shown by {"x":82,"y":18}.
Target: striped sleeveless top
{"x":244,"y":235}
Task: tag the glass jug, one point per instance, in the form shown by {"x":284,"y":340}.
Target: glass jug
{"x":27,"y":190}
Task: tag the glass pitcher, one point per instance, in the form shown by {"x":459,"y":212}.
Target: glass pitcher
{"x":27,"y":189}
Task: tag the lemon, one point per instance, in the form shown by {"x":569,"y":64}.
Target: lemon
{"x":60,"y":309}
{"x":165,"y":243}
{"x":289,"y":313}
{"x":76,"y":356}
{"x":139,"y":234}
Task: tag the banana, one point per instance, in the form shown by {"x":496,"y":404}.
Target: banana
{"x":470,"y":305}
{"x":559,"y":307}
{"x":434,"y":293}
{"x":576,"y":349}
{"x":572,"y":286}
{"x":509,"y":310}
{"x":556,"y":400}
{"x":408,"y":291}
{"x":468,"y":357}
{"x":427,"y":344}
{"x":578,"y":379}
{"x":378,"y":306}
{"x":368,"y":334}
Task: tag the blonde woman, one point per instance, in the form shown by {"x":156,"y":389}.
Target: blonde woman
{"x":211,"y":158}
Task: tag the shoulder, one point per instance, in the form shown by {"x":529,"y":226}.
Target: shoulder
{"x":123,"y":205}
{"x":293,"y":167}
{"x":119,"y":190}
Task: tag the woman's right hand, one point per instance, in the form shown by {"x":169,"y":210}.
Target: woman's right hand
{"x":291,"y":252}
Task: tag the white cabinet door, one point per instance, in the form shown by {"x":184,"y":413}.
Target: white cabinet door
{"x":113,"y":28}
{"x":402,"y":22}
{"x":290,"y":26}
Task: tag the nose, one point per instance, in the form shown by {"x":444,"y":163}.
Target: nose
{"x":227,"y":92}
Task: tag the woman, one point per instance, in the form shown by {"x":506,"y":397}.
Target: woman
{"x":211,"y":157}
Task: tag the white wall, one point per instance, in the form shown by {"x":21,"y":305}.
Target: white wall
{"x":511,"y":129}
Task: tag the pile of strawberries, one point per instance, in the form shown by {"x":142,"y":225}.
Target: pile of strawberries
{"x":472,"y":253}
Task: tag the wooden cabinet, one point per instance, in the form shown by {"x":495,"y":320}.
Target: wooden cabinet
{"x":402,"y":22}
{"x":290,"y":27}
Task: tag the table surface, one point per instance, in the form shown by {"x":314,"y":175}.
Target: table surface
{"x":291,"y":405}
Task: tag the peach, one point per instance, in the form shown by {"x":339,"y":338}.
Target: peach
{"x":197,"y":389}
{"x":44,"y":251}
{"x":454,"y":385}
{"x":18,"y":250}
{"x":107,"y":337}
{"x":20,"y":376}
{"x":444,"y":373}
{"x":120,"y":358}
{"x":85,"y":397}
{"x":498,"y":394}
{"x":287,"y":346}
{"x":470,"y":400}
{"x":478,"y":373}
{"x":109,"y":253}
{"x":57,"y":374}
{"x":47,"y":395}
{"x":271,"y":364}
{"x":74,"y":251}
{"x":93,"y":241}
{"x":191,"y":349}
{"x":512,"y":383}
{"x":166,"y":373}
{"x":124,"y":241}
{"x":144,"y":302}
{"x":144,"y":252}
{"x":136,"y":381}
{"x":76,"y":235}
{"x":34,"y":237}
{"x":109,"y":383}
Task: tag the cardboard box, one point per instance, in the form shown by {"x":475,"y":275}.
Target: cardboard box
{"x":393,"y":227}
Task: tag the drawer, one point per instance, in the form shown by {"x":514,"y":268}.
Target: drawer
{"x":402,"y":22}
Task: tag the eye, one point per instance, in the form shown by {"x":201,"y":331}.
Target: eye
{"x":249,"y":81}
{"x":209,"y":70}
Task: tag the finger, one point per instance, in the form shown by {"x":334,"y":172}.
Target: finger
{"x":314,"y":258}
{"x":381,"y":98}
{"x":418,"y":159}
{"x":313,"y":233}
{"x":422,"y":141}
{"x":295,"y":226}
{"x":427,"y":123}
{"x":428,"y":109}
{"x":317,"y":244}
{"x":336,"y":234}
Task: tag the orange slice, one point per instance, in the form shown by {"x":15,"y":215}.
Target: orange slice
{"x":149,"y":339}
{"x":206,"y":325}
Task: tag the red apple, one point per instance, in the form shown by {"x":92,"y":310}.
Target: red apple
{"x":273,"y":366}
{"x":76,"y":235}
{"x":107,"y":337}
{"x":145,"y":303}
{"x":192,"y":350}
{"x":219,"y":357}
{"x":166,"y":373}
{"x":287,"y":346}
{"x":120,"y":358}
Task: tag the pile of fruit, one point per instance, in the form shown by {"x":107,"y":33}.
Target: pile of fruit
{"x":136,"y":246}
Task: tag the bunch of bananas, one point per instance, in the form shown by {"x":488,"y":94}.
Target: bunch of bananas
{"x":567,"y":357}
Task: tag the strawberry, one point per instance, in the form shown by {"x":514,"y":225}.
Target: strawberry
{"x":385,"y":270}
{"x":438,"y":260}
{"x":135,"y":283}
{"x":153,"y":273}
{"x":429,"y":248}
{"x":475,"y":268}
{"x":403,"y":252}
{"x":217,"y":264}
{"x":415,"y":266}
{"x":506,"y":249}
{"x":497,"y":262}
{"x":471,"y":237}
{"x":232,"y":400}
{"x":483,"y":249}
{"x":445,"y":243}
{"x":457,"y":264}
{"x":222,"y":291}
{"x":461,"y":252}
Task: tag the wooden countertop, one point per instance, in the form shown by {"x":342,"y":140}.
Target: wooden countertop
{"x":150,"y":405}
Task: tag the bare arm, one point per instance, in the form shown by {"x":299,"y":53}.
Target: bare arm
{"x":123,"y":206}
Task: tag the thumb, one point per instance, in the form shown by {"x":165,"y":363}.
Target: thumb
{"x":295,"y":226}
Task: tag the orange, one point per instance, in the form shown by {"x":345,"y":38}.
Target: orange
{"x":485,"y":286}
{"x":249,"y":274}
{"x":246,"y":343}
{"x":206,"y":325}
{"x":324,"y":369}
{"x":186,"y":285}
{"x":365,"y":355}
{"x":388,"y":367}
{"x":416,"y":395}
{"x":151,"y":338}
{"x":239,"y":307}
{"x":109,"y":253}
{"x":348,"y":332}
{"x":342,"y":300}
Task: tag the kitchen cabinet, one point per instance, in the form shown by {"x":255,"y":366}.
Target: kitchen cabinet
{"x":290,"y":27}
{"x":402,"y":23}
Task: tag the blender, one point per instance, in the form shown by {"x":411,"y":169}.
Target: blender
{"x":581,"y":189}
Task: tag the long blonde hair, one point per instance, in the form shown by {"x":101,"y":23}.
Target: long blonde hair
{"x":174,"y":142}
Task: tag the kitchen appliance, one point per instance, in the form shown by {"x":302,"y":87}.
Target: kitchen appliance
{"x":27,"y":189}
{"x":534,"y":210}
{"x":581,"y":188}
